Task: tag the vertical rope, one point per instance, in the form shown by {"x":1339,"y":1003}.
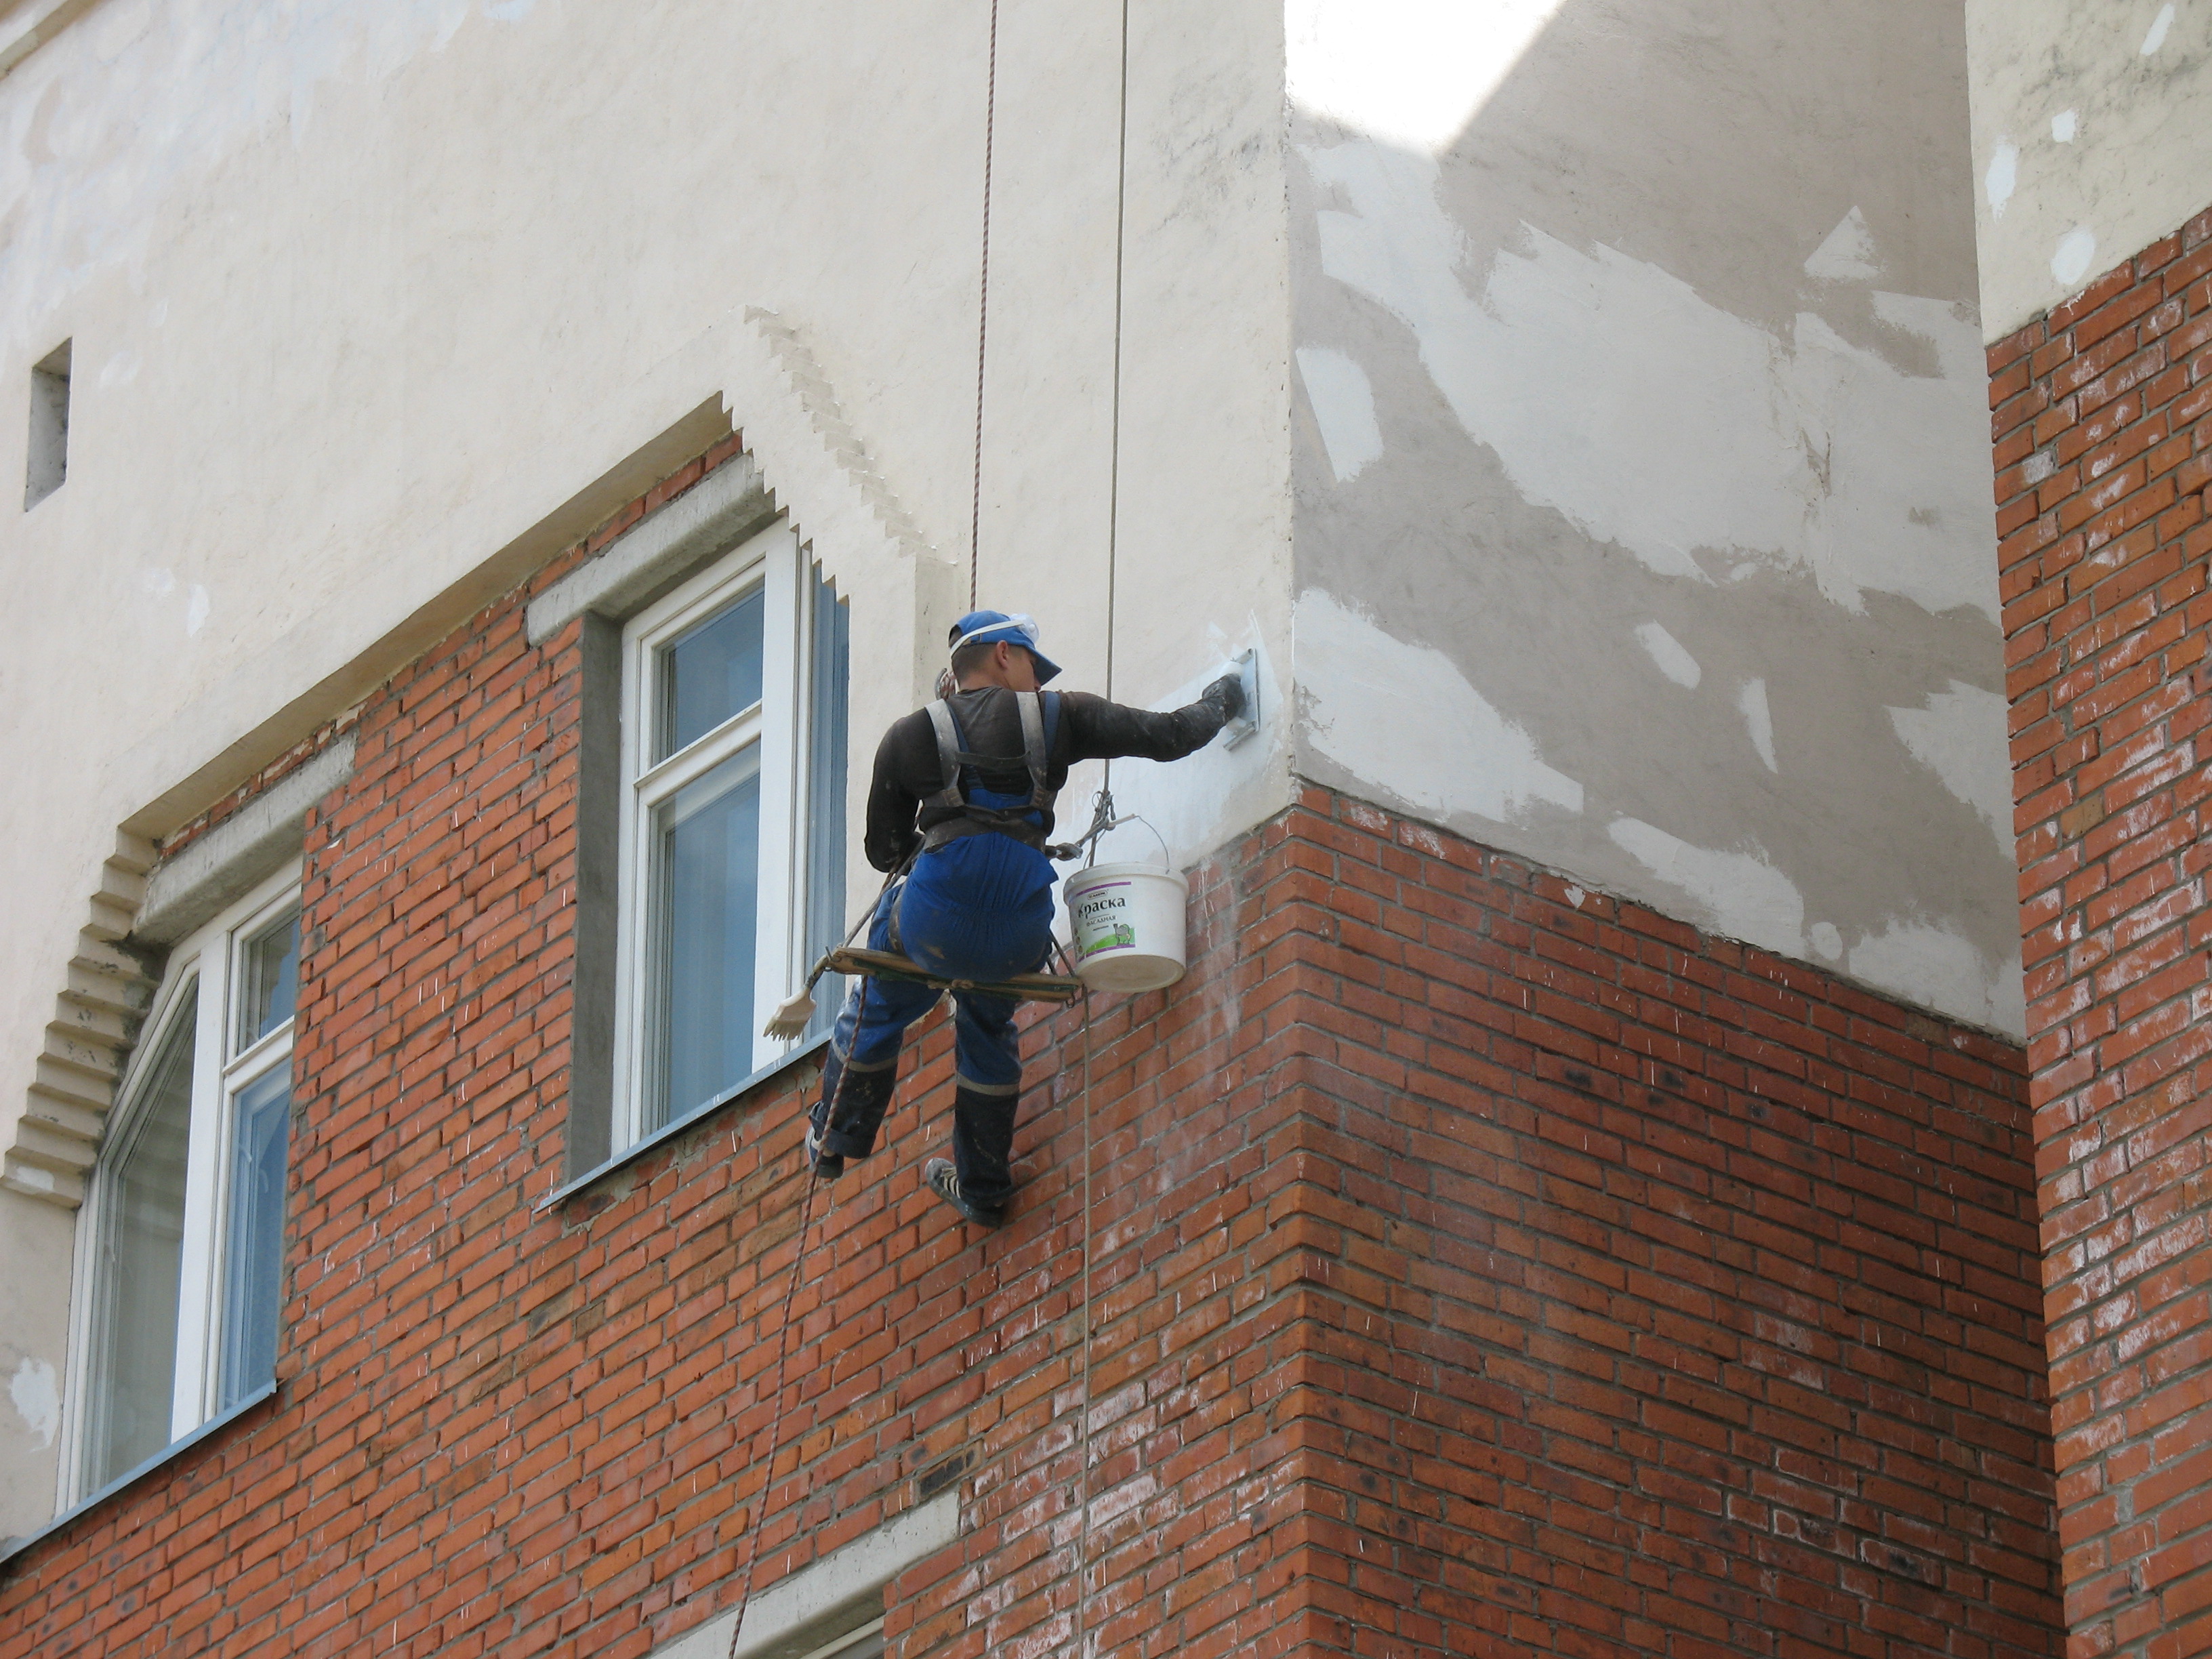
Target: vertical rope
{"x":983,"y":306}
{"x":776,"y":1419}
{"x":1113,"y":464}
{"x":1083,"y":1427}
{"x":783,"y":1342}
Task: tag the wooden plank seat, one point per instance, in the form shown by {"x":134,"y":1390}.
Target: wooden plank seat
{"x":885,"y":964}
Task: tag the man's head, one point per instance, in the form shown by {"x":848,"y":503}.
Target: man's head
{"x":990,"y":647}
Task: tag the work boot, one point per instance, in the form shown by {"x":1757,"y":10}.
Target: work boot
{"x":945,"y":1182}
{"x":827,"y":1166}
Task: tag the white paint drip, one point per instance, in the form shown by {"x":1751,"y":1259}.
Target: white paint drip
{"x":2002,"y":178}
{"x":37,"y":1396}
{"x":1403,"y":718}
{"x":1575,"y":896}
{"x":1409,"y":72}
{"x":2159,"y":26}
{"x":1758,"y":720}
{"x":1742,"y":894}
{"x":1612,"y":392}
{"x":1940,"y":968}
{"x":1847,"y":255}
{"x":1344,"y":407}
{"x":197,"y":605}
{"x":1960,"y":735}
{"x":2077,"y":249}
{"x":1674,"y":660}
{"x":1827,"y":939}
{"x":2065,"y":125}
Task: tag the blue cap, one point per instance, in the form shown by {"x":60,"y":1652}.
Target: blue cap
{"x":997,"y":627}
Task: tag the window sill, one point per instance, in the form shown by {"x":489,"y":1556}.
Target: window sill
{"x":690,"y":1120}
{"x":14,"y":1546}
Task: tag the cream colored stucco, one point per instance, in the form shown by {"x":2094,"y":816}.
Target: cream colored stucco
{"x":366,"y":296}
{"x":2092,"y":140}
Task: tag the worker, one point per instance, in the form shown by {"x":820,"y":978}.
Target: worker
{"x":964,"y":790}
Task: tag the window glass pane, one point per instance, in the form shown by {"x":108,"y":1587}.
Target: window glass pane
{"x":711,"y":672}
{"x":253,"y":1239}
{"x":826,"y":920}
{"x":707,"y":837}
{"x":134,"y":1350}
{"x":268,"y":980}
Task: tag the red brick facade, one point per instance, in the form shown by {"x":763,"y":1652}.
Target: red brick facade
{"x":1477,"y":1266}
{"x":2103,"y":449}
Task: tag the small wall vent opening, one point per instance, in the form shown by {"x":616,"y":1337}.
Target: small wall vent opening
{"x":49,"y":448}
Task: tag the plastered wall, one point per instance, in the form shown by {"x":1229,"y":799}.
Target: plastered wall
{"x":360,"y":292}
{"x":1644,"y":523}
{"x":2091,"y":141}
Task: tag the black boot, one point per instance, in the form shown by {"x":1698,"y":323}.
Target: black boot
{"x":982,"y":1144}
{"x":859,"y":1100}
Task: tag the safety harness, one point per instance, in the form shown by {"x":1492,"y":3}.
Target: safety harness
{"x":1025,"y":822}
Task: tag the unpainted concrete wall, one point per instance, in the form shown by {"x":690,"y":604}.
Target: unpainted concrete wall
{"x":2092,"y":140}
{"x":362,"y":291}
{"x":1644,"y":523}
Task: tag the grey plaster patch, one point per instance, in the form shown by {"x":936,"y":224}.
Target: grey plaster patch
{"x":1682,"y":486}
{"x":227,"y":862}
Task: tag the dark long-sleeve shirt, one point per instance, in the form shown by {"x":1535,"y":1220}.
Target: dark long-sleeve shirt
{"x":990,"y":721}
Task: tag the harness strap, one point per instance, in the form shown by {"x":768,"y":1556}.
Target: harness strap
{"x":952,"y":759}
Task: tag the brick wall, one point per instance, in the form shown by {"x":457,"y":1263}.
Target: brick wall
{"x":2103,"y":423}
{"x":1478,"y":1267}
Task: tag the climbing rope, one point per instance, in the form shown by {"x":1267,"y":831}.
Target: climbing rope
{"x":983,"y":306}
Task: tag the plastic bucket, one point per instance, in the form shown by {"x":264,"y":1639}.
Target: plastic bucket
{"x":1128,"y":925}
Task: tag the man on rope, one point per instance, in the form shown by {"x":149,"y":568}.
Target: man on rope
{"x":964,"y":789}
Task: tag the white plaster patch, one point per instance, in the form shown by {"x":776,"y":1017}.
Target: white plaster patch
{"x":1410,"y":72}
{"x":1674,"y":661}
{"x":1940,"y":968}
{"x":120,"y":369}
{"x":1848,"y":254}
{"x":2002,"y":178}
{"x":1742,"y":894}
{"x":159,"y":581}
{"x":1960,"y":735}
{"x":2070,"y":259}
{"x":1614,"y":393}
{"x":2065,"y":125}
{"x":1344,"y":408}
{"x":2159,"y":26}
{"x":1826,"y":940}
{"x":1758,"y":720}
{"x":1403,"y":718}
{"x":1575,"y":896}
{"x":197,"y":605}
{"x":37,"y":1396}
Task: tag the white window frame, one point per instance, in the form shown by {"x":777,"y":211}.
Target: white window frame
{"x":209,"y":960}
{"x":780,"y":724}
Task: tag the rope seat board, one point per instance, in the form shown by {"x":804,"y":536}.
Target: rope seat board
{"x":886,"y":964}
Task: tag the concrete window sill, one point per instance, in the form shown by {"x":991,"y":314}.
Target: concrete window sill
{"x":14,"y":1546}
{"x":690,"y":1120}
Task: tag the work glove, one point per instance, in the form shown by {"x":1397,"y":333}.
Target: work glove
{"x":1226,"y":695}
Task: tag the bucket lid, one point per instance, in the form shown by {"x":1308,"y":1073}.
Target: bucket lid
{"x":1097,"y":873}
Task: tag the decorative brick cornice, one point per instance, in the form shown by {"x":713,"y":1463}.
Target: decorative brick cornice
{"x":96,"y":1020}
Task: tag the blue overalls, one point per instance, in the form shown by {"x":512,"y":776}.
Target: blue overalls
{"x":977,"y":906}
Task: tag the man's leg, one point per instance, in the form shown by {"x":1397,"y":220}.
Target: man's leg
{"x":861,"y":1068}
{"x":987,"y":1061}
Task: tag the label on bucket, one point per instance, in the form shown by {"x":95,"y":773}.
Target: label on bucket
{"x":1101,"y":921}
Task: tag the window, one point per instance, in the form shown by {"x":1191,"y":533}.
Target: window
{"x":182,"y":1285}
{"x":48,"y":452}
{"x":733,"y":825}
